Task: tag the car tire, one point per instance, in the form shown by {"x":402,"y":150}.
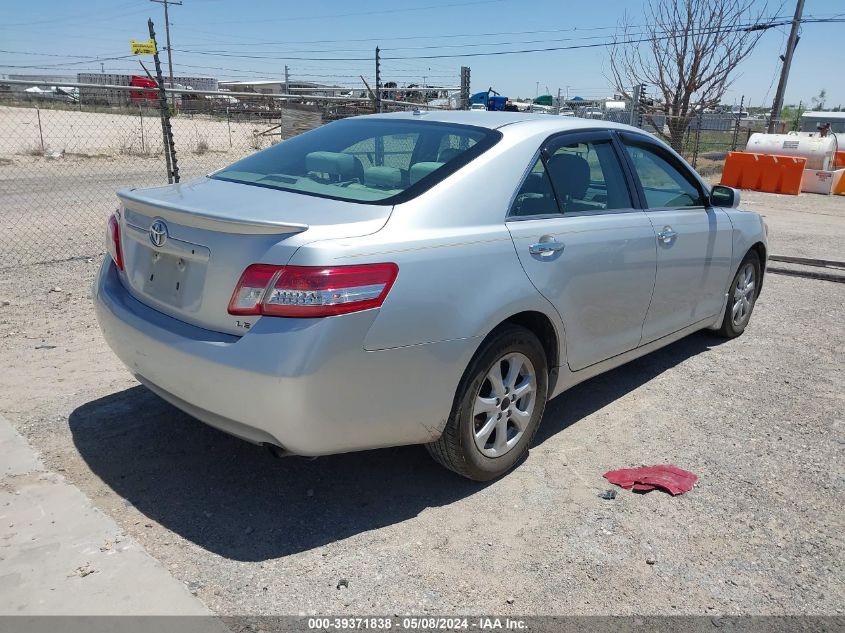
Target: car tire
{"x":742,"y":295}
{"x":468,"y":445}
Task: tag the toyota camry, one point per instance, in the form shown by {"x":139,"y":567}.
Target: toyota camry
{"x":420,"y":278}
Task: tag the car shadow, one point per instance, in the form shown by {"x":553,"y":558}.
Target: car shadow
{"x":591,"y":395}
{"x":238,"y":501}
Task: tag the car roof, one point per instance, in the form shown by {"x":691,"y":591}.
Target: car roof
{"x":495,"y":120}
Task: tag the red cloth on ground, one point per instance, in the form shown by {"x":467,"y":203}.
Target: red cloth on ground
{"x":667,"y":477}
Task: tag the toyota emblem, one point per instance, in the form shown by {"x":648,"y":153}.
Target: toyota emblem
{"x":158,"y":233}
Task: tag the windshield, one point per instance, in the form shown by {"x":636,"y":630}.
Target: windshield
{"x":370,"y":160}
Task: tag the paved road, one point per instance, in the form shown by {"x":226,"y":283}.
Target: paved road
{"x":61,"y":556}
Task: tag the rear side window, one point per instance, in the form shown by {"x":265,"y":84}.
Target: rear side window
{"x":536,"y":196}
{"x":664,"y":184}
{"x":579,"y":177}
{"x":372,"y":160}
{"x":587,"y":177}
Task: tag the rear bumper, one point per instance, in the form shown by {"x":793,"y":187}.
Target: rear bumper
{"x":306,"y":385}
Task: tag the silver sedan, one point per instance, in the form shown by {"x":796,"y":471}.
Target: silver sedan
{"x":420,"y":278}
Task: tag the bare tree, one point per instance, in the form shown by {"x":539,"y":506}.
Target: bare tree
{"x":688,"y":50}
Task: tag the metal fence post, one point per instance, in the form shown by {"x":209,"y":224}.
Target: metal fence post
{"x":40,"y":132}
{"x":736,"y":124}
{"x":697,"y":138}
{"x":141,"y":115}
{"x":635,"y":105}
{"x":378,"y":81}
{"x":166,"y":129}
{"x":464,"y":104}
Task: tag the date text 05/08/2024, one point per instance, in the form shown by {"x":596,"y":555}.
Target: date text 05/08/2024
{"x":417,"y":623}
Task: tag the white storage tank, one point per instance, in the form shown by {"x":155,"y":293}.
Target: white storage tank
{"x":818,"y":150}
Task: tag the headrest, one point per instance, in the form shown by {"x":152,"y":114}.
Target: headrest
{"x":421,"y":170}
{"x":570,"y":174}
{"x":448,"y":154}
{"x":330,"y":163}
{"x":383,"y":177}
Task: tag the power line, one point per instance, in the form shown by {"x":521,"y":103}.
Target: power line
{"x":633,"y":38}
{"x":94,"y":16}
{"x":361,"y":13}
{"x":166,"y":3}
{"x":282,"y":51}
{"x":68,"y":64}
{"x":382,"y":37}
{"x":281,"y":56}
{"x":594,"y":45}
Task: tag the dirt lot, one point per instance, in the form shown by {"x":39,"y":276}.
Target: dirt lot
{"x":136,"y":133}
{"x":55,"y":204}
{"x":759,"y":419}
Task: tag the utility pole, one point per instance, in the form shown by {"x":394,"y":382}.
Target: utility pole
{"x":167,"y":35}
{"x":464,"y":98}
{"x":287,"y":79}
{"x":777,"y":106}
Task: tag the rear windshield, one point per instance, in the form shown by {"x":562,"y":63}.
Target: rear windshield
{"x":381,"y":161}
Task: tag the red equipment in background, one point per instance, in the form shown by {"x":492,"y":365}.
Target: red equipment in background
{"x":143,"y":96}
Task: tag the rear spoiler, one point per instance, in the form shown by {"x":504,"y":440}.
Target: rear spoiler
{"x":136,"y":203}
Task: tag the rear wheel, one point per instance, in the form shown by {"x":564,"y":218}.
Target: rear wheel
{"x":742,"y":296}
{"x":497,"y":408}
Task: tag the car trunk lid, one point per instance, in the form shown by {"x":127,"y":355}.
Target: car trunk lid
{"x":186,"y":245}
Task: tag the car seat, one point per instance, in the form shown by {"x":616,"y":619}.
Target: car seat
{"x":571,"y":177}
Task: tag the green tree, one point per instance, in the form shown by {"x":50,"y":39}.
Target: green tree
{"x":819,"y":100}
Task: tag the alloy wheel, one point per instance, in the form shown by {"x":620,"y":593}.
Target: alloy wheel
{"x":743,"y":295}
{"x":504,"y":404}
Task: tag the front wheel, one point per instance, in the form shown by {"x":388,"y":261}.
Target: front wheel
{"x":742,"y":296}
{"x":497,"y":408}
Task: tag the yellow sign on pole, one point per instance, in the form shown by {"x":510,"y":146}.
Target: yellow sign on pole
{"x":143,"y":48}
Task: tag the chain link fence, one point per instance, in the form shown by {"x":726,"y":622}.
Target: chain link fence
{"x":704,"y":139}
{"x":65,"y":152}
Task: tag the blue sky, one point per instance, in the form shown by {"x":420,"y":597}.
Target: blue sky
{"x":255,"y":38}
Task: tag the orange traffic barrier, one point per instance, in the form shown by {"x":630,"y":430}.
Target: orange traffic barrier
{"x":839,"y":187}
{"x":839,"y":160}
{"x":764,"y":172}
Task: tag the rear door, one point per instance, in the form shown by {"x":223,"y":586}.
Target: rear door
{"x":585,"y":246}
{"x":694,"y":240}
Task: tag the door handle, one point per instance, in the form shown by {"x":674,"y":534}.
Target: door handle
{"x":546,"y":247}
{"x":667,"y":235}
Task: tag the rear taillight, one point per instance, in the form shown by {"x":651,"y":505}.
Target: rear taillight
{"x":311,"y":291}
{"x":113,"y":242}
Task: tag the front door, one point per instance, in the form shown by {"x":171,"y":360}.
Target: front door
{"x":694,"y":240}
{"x":584,"y":245}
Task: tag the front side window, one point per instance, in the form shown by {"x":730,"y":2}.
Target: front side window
{"x":664,"y":184}
{"x":364,"y":160}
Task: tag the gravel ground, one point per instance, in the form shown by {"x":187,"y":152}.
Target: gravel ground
{"x":808,"y":225}
{"x":758,"y":418}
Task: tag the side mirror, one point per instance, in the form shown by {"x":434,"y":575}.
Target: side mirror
{"x":721,"y":196}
